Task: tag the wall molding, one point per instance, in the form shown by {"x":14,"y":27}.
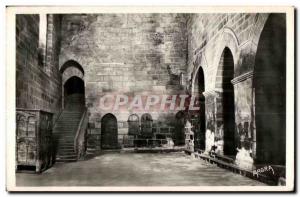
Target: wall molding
{"x":210,"y":93}
{"x":242,"y":78}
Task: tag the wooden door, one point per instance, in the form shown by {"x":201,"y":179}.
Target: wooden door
{"x":109,"y":132}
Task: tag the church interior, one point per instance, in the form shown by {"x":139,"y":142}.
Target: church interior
{"x":231,"y":65}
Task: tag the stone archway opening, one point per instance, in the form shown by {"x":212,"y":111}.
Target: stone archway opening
{"x":199,"y":88}
{"x":269,"y":86}
{"x":109,"y":132}
{"x":179,"y":135}
{"x":74,"y":93}
{"x":73,"y":90}
{"x":133,"y":125}
{"x":225,"y":103}
{"x":146,"y":126}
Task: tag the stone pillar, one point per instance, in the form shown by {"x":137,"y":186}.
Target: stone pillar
{"x":210,"y":117}
{"x":244,"y":113}
{"x":219,"y":124}
{"x":214,"y":118}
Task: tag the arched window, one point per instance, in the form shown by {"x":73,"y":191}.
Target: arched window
{"x":133,"y":124}
{"x":146,"y":125}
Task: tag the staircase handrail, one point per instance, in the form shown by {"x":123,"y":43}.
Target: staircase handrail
{"x":79,"y":140}
{"x":57,"y":117}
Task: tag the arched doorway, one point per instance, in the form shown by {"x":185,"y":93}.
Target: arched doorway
{"x":133,"y":125}
{"x":146,"y":125}
{"x":199,"y":89}
{"x":269,"y":86}
{"x":109,"y":132}
{"x":179,"y":137}
{"x":73,"y":85}
{"x":225,"y":114}
{"x":74,"y":93}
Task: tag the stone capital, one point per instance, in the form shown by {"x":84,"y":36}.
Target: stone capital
{"x":210,"y":93}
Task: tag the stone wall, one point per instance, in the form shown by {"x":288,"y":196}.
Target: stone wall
{"x":208,"y":36}
{"x":35,"y":89}
{"x":127,"y":54}
{"x":156,"y":54}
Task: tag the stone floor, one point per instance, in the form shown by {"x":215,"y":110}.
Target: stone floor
{"x":135,"y":169}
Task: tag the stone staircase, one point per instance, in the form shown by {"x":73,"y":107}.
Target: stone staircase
{"x":66,"y":127}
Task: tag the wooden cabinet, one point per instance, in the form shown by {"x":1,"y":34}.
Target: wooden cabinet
{"x":34,"y":147}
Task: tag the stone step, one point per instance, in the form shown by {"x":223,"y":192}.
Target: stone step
{"x":66,"y":136}
{"x":65,"y":152}
{"x":66,"y":159}
{"x":65,"y":122}
{"x":68,"y":121}
{"x":65,"y":130}
{"x":67,"y":149}
{"x":91,"y":144}
{"x":65,"y":143}
{"x":62,"y":135}
{"x":65,"y":146}
{"x":65,"y":127}
{"x":62,"y":130}
{"x":70,"y":115}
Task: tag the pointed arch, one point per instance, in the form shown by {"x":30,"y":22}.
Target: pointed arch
{"x":225,"y":102}
{"x":269,"y":86}
{"x":109,"y":132}
{"x":71,"y":63}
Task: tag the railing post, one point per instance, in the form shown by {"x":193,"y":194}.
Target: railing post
{"x":79,"y":129}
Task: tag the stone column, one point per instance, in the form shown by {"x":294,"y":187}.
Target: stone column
{"x":214,"y":115}
{"x":211,"y":118}
{"x":244,"y":112}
